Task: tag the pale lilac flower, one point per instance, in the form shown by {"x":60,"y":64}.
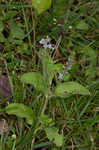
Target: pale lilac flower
{"x":66,"y":72}
{"x":45,"y":46}
{"x":50,"y":46}
{"x":42,"y":41}
{"x":67,"y":63}
{"x":64,"y":66}
{"x":46,"y":43}
{"x":60,"y":77}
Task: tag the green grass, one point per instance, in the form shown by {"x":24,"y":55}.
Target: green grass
{"x":73,"y":27}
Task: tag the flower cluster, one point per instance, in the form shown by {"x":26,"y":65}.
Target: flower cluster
{"x":46,"y":43}
{"x":60,"y":76}
{"x":66,"y":68}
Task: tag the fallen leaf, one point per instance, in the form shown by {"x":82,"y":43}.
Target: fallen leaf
{"x":5,"y":90}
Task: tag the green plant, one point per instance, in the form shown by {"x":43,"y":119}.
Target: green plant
{"x":52,"y":48}
{"x":42,"y":82}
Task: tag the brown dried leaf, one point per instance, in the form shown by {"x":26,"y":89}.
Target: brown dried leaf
{"x":5,"y":89}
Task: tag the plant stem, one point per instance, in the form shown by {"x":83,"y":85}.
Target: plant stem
{"x":38,"y":123}
{"x":45,"y":105}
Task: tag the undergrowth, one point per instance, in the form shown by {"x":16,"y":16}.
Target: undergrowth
{"x":51,"y":61}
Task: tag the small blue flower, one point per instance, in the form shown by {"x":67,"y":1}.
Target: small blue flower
{"x":46,"y":43}
{"x":60,"y":77}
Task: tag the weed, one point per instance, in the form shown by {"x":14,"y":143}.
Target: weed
{"x":49,"y":56}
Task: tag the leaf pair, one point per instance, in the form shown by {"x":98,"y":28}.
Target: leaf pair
{"x":62,"y":90}
{"x":43,"y":81}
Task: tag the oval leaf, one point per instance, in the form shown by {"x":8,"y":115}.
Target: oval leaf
{"x":52,"y":134}
{"x":68,"y":88}
{"x":34,"y":78}
{"x":20,"y":110}
{"x":41,"y":5}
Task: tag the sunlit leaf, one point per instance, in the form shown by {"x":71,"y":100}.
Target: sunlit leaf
{"x":63,"y":89}
{"x":34,"y":78}
{"x":20,"y":110}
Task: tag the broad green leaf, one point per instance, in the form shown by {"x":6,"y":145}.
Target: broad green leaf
{"x":53,"y":135}
{"x":67,"y":88}
{"x":34,"y":78}
{"x":41,"y":5}
{"x":82,"y":25}
{"x":20,"y":110}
